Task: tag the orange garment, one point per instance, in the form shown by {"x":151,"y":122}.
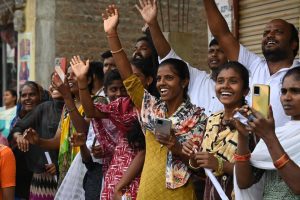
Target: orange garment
{"x":7,"y":168}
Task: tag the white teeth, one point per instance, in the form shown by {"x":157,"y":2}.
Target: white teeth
{"x":163,"y":90}
{"x":271,"y":42}
{"x":226,"y":93}
{"x":214,"y":61}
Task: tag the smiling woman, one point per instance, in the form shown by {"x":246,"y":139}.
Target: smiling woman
{"x":220,"y":138}
{"x":165,"y":173}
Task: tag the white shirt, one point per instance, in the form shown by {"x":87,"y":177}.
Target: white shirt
{"x":89,"y":142}
{"x":201,"y":88}
{"x":260,"y":74}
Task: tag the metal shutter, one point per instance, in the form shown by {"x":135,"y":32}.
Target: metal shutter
{"x":254,"y":14}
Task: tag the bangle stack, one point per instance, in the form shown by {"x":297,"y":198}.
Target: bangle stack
{"x":192,"y":167}
{"x":219,"y":171}
{"x":242,"y":158}
{"x":282,"y":161}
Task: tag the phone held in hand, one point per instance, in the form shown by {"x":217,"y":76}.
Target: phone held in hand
{"x":261,"y":98}
{"x":60,"y":73}
{"x":94,"y":142}
{"x":163,"y":126}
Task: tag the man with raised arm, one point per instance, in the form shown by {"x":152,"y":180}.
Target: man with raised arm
{"x":202,"y":85}
{"x":280,"y":44}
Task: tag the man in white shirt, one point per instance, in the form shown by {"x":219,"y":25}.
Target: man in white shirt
{"x":202,"y":85}
{"x":280,"y":44}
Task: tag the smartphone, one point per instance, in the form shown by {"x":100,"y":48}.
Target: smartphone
{"x":261,"y":99}
{"x":60,"y":72}
{"x":94,"y":142}
{"x":163,"y":126}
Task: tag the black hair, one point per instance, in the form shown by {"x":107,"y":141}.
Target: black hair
{"x":34,"y":86}
{"x":106,"y":54}
{"x":96,"y":68}
{"x":147,"y":69}
{"x":111,"y":76}
{"x":213,"y":42}
{"x":240,"y":69}
{"x":295,"y":72}
{"x":181,"y":69}
{"x":136,"y":137}
{"x":13,"y":93}
{"x":294,"y":37}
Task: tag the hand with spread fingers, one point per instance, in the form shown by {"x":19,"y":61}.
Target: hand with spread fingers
{"x":110,"y":19}
{"x":62,"y":86}
{"x":80,"y":68}
{"x":148,"y":10}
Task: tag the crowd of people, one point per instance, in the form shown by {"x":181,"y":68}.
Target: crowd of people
{"x":93,"y":134}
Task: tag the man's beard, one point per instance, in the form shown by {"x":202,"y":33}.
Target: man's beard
{"x":275,"y":55}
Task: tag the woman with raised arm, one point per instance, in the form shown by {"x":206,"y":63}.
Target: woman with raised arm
{"x":272,"y":170}
{"x":72,"y":122}
{"x":122,"y":169}
{"x":165,"y":174}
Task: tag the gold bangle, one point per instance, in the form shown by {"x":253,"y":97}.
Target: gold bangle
{"x":118,"y":51}
{"x":219,"y":171}
{"x":192,"y":167}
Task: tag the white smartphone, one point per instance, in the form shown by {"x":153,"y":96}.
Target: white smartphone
{"x":60,"y":73}
{"x":163,"y":126}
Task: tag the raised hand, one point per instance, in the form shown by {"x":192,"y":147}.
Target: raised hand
{"x":148,"y":10}
{"x":80,"y":68}
{"x":110,"y":19}
{"x":62,"y":87}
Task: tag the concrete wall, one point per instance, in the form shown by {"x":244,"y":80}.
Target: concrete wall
{"x":45,"y":41}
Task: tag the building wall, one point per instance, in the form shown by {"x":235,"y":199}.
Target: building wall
{"x":79,"y":27}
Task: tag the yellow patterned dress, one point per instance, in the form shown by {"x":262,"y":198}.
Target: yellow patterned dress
{"x":164,"y":176}
{"x":222,"y":142}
